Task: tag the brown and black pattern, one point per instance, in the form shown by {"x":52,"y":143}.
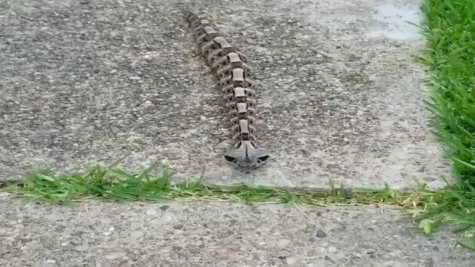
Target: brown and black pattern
{"x":233,"y":72}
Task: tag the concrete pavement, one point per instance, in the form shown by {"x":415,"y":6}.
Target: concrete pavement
{"x":86,"y":82}
{"x":215,"y":234}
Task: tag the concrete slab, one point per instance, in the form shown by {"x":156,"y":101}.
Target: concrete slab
{"x":89,"y":81}
{"x":216,"y":234}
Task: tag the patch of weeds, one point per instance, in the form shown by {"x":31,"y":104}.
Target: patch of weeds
{"x":116,"y":184}
{"x":449,"y":29}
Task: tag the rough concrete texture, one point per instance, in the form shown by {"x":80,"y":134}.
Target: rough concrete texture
{"x":216,"y":234}
{"x":339,"y":97}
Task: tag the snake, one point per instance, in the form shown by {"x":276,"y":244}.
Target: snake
{"x":234,"y":75}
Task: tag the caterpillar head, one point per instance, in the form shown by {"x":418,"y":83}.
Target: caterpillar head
{"x":246,"y":156}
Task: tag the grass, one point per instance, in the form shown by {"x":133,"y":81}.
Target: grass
{"x":449,"y":28}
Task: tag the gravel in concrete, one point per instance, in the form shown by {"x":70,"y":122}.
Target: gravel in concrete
{"x":86,"y":82}
{"x":217,"y":234}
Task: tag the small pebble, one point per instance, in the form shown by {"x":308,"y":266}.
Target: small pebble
{"x":321,"y":234}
